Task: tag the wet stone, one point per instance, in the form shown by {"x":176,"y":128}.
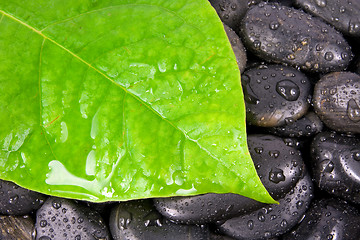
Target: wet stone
{"x":205,"y":208}
{"x":286,"y":35}
{"x":140,"y":220}
{"x":336,"y":166}
{"x":306,"y":126}
{"x":328,"y":219}
{"x":279,"y":166}
{"x":61,"y":218}
{"x":231,"y":12}
{"x":342,"y":14}
{"x":238,"y":48}
{"x":15,"y":200}
{"x":16,"y":227}
{"x":336,"y":101}
{"x":272,"y":220}
{"x":275,"y":94}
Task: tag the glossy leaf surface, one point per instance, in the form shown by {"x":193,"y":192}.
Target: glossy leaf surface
{"x":121,"y":99}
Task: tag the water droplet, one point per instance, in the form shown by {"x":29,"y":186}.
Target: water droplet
{"x":250,"y":224}
{"x":333,"y":91}
{"x":124,"y":220}
{"x":14,"y":199}
{"x":288,"y":90}
{"x":261,"y":216}
{"x":56,"y":204}
{"x":274,"y":25}
{"x":77,"y":237}
{"x":283,"y":223}
{"x":44,"y":238}
{"x":259,"y":150}
{"x":329,"y":56}
{"x":43,"y":223}
{"x":257,"y":44}
{"x":80,"y":220}
{"x":274,"y":153}
{"x":327,"y":166}
{"x":353,"y":110}
{"x":299,"y":204}
{"x":321,"y":3}
{"x":319,"y":47}
{"x":290,"y":56}
{"x":276,"y":175}
{"x":356,"y":155}
{"x":354,"y":27}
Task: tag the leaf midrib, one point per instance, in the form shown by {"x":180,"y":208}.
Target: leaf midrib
{"x":108,"y":78}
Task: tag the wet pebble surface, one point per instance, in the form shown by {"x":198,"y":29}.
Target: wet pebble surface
{"x":300,"y":66}
{"x":275,"y":94}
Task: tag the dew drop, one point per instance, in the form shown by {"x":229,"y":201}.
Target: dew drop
{"x":329,"y":56}
{"x":124,"y":220}
{"x":356,"y":155}
{"x":261,"y":217}
{"x":288,"y":90}
{"x":56,"y":204}
{"x":250,"y":224}
{"x":257,"y":44}
{"x":353,"y":110}
{"x":274,"y":25}
{"x":259,"y":150}
{"x":43,"y":223}
{"x":283,"y":223}
{"x":274,"y":153}
{"x":321,"y":3}
{"x":276,"y":175}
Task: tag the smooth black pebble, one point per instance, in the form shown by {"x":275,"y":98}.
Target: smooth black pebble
{"x":328,"y":219}
{"x":307,"y":126}
{"x":139,"y":219}
{"x":61,"y":218}
{"x":342,"y":14}
{"x":231,"y":12}
{"x":278,"y":165}
{"x":272,"y":220}
{"x":15,"y":200}
{"x":16,"y":227}
{"x":336,"y":164}
{"x":205,"y":208}
{"x":287,"y":35}
{"x":336,"y":101}
{"x":238,"y":48}
{"x":275,"y":94}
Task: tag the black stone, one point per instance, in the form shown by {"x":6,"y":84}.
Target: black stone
{"x":15,"y":200}
{"x":331,"y":219}
{"x":272,"y":220}
{"x":61,"y":218}
{"x":286,"y":35}
{"x":336,"y":101}
{"x":336,"y":165}
{"x":275,"y":94}
{"x":307,"y":126}
{"x":238,"y":48}
{"x":137,"y":220}
{"x":231,"y":12}
{"x":342,"y":14}
{"x":278,"y":165}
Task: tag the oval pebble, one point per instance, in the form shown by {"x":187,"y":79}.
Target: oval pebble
{"x":307,"y":126}
{"x":139,"y":219}
{"x":278,"y":165}
{"x":328,"y":219}
{"x":238,"y":48}
{"x":342,"y":14}
{"x":275,"y":94}
{"x":61,"y":218}
{"x":337,"y":102}
{"x":287,"y":35}
{"x":231,"y":12}
{"x":205,"y":208}
{"x":272,"y":220}
{"x":336,"y":165}
{"x":16,"y":227}
{"x":15,"y":200}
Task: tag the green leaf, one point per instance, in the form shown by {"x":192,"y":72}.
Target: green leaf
{"x":121,"y":99}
